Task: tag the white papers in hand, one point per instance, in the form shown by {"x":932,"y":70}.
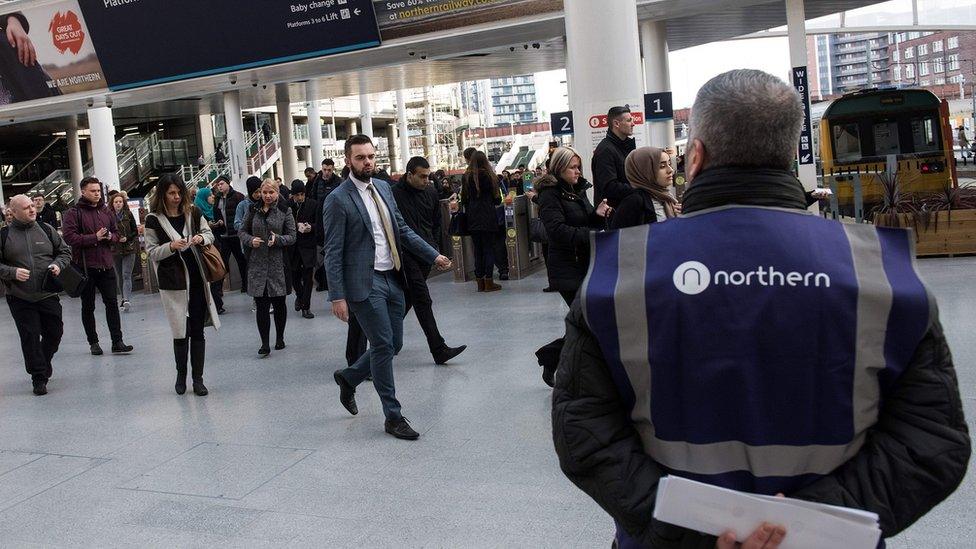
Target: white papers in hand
{"x":715,"y":510}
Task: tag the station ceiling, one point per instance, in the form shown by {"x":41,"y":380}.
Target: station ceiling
{"x":518,"y":46}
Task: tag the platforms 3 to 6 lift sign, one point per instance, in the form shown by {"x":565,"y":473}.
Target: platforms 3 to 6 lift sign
{"x":145,"y":42}
{"x":805,"y":147}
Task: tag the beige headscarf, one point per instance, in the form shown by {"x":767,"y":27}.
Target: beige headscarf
{"x":641,"y":169}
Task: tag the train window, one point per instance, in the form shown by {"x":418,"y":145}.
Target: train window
{"x":847,"y":142}
{"x":924,"y":134}
{"x":886,"y":138}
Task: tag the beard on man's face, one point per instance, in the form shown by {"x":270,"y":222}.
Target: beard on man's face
{"x":363,"y":175}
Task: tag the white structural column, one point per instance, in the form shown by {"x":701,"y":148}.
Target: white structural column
{"x":205,"y":134}
{"x":430,"y":137}
{"x":365,"y":110}
{"x":657,"y":77}
{"x":104,"y":156}
{"x":234,"y":148}
{"x":74,"y":157}
{"x":396,"y":165}
{"x":796,"y":27}
{"x":286,"y":134}
{"x":595,"y":33}
{"x":402,"y":127}
{"x":314,"y":124}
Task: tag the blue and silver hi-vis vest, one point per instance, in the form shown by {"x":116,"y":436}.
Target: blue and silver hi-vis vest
{"x":753,"y":346}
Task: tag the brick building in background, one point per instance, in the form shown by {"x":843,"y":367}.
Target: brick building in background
{"x":939,"y":61}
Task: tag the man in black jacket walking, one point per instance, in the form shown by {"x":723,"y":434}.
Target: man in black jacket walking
{"x":308,"y":223}
{"x":609,"y":177}
{"x":420,"y":206}
{"x":834,"y":386}
{"x":229,"y":244}
{"x":29,"y":252}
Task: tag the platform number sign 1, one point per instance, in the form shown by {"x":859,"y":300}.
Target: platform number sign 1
{"x":658,"y":106}
{"x":561,"y":123}
{"x":804,"y":148}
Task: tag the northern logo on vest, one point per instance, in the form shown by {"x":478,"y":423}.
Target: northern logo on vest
{"x":693,"y":278}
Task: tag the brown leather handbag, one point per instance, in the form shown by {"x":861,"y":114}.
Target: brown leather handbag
{"x":213,"y":264}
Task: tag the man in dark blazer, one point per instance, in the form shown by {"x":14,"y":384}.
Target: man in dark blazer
{"x":365,"y":238}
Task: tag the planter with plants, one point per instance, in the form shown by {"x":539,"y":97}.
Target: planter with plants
{"x":944,"y":222}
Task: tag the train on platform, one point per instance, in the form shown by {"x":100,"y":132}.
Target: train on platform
{"x":875,"y":139}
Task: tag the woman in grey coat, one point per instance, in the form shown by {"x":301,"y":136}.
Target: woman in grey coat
{"x":266,"y":231}
{"x":174,"y":232}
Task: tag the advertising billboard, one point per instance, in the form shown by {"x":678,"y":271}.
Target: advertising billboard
{"x":401,"y":18}
{"x":146,"y":42}
{"x":46,"y":51}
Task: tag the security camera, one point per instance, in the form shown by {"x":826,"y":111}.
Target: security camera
{"x":511,"y":49}
{"x":525,"y":46}
{"x":233,"y":79}
{"x":536,"y":45}
{"x":254,"y":83}
{"x":423,"y":56}
{"x":264,"y":87}
{"x":413,"y":53}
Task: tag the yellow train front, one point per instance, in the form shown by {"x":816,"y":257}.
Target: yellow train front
{"x":869,"y":136}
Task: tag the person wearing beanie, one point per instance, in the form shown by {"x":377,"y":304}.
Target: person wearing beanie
{"x":225,"y":211}
{"x":303,"y":253}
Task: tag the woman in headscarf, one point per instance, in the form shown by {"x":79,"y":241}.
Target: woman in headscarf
{"x":649,"y":171}
{"x":204,"y":202}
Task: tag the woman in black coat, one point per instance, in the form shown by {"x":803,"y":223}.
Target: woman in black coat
{"x":479,"y":196}
{"x":569,"y":217}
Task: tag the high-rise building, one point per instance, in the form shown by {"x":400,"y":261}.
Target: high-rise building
{"x":501,"y":101}
{"x":933,"y":59}
{"x":848,"y":62}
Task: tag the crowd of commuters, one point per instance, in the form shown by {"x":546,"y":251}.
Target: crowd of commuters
{"x":842,"y":394}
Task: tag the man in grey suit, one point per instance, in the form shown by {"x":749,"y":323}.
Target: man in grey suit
{"x":365,"y":236}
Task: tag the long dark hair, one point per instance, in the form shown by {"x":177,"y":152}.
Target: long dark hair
{"x":478,"y":167}
{"x":158,"y":202}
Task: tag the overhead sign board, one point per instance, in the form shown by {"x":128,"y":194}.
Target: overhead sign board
{"x":805,"y":147}
{"x":146,"y":42}
{"x":561,"y":123}
{"x":658,"y":106}
{"x":400,"y":18}
{"x":51,"y":53}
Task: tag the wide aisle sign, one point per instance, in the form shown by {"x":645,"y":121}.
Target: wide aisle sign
{"x":146,"y":42}
{"x":805,"y":147}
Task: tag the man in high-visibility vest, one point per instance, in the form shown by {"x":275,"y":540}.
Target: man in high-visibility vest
{"x":754,"y":346}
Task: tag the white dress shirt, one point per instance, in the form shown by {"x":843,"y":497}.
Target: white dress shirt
{"x":384,"y":257}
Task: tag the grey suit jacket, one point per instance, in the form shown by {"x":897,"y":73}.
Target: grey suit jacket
{"x":349,"y":248}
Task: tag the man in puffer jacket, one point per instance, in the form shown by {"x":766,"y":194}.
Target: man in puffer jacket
{"x":789,"y":354}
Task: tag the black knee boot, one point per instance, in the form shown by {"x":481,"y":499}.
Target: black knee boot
{"x":181,"y":348}
{"x":198,"y":352}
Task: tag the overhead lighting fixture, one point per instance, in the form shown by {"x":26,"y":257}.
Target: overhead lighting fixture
{"x":131,"y":129}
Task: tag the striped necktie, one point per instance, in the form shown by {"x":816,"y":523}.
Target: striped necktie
{"x":387,"y":226}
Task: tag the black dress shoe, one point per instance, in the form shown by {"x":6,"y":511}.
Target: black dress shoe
{"x":119,"y":347}
{"x":401,"y":429}
{"x":96,"y":349}
{"x":221,"y":311}
{"x":264,"y":351}
{"x":503,"y":276}
{"x":448,"y":353}
{"x":548,"y":289}
{"x":347,"y":393}
{"x":279,"y":345}
{"x":200,"y":389}
{"x":298,"y":306}
{"x":40,"y":389}
{"x":307,"y":314}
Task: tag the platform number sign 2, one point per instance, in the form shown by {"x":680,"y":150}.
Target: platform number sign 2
{"x":658,"y":106}
{"x":805,"y":146}
{"x":561,"y":123}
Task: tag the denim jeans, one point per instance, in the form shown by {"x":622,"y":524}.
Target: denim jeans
{"x":381,"y":317}
{"x":123,"y":274}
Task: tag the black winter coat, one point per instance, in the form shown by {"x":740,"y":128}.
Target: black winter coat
{"x":480,"y":208}
{"x":227,"y":214}
{"x":303,"y":252}
{"x":912,"y":459}
{"x":634,"y":210}
{"x":609,"y":176}
{"x":568,"y":217}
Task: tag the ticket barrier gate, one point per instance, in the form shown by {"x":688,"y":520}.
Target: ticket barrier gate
{"x":524,"y":256}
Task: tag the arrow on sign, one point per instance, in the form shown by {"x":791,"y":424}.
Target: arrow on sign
{"x":357,"y":11}
{"x":804,"y":159}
